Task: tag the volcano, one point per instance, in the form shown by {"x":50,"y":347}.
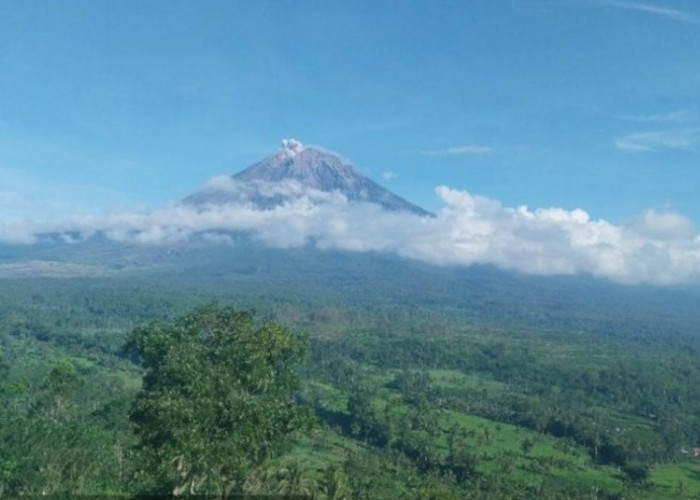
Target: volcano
{"x":297,"y":170}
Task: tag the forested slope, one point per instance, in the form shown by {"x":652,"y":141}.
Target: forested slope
{"x":461,"y":386}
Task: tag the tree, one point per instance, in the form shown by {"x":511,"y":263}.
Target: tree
{"x":638,"y":473}
{"x":217,"y":398}
{"x":334,"y":483}
{"x":361,"y":410}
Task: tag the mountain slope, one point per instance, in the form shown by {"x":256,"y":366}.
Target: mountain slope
{"x":297,"y":170}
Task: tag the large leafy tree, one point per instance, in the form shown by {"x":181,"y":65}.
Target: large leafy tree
{"x":217,"y":398}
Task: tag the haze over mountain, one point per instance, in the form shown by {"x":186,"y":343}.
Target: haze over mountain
{"x":296,"y":170}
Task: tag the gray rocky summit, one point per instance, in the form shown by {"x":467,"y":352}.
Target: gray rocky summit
{"x":296,"y":170}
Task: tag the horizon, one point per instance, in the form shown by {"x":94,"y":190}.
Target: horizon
{"x":585,"y":111}
{"x":307,"y":204}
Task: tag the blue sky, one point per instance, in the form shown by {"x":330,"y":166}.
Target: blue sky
{"x":568,"y":103}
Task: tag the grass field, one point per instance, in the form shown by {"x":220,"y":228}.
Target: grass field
{"x":514,"y":454}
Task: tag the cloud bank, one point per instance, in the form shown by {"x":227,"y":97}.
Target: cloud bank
{"x":683,"y":139}
{"x":658,"y":247}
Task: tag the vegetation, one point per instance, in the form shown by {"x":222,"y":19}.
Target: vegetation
{"x":217,"y":399}
{"x":111,"y":387}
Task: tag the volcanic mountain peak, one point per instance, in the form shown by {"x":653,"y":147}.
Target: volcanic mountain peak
{"x":310,"y":168}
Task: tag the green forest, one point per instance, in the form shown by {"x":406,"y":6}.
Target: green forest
{"x":198,"y":385}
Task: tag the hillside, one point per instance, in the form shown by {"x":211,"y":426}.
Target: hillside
{"x":549,"y":386}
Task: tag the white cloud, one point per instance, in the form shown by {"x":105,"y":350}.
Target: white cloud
{"x":292,"y":147}
{"x":470,"y":149}
{"x":674,"y":14}
{"x":659,"y":246}
{"x":686,"y":139}
{"x":663,"y":225}
{"x":389,"y":175}
{"x":224,"y":183}
{"x":678,"y":116}
{"x":18,"y":232}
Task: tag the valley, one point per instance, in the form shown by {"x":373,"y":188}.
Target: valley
{"x":423,"y":381}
